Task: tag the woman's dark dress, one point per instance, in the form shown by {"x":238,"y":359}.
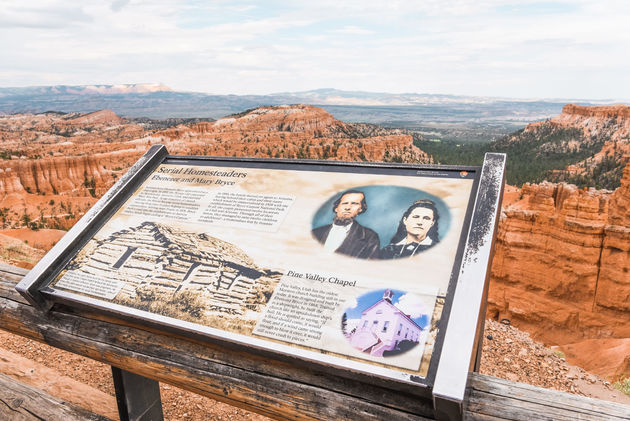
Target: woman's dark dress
{"x":396,"y":251}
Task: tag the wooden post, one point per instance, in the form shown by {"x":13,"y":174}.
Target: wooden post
{"x":138,"y":397}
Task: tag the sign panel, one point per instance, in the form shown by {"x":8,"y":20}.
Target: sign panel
{"x":346,"y":265}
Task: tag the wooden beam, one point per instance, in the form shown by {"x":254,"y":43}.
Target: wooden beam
{"x":20,"y":402}
{"x":279,"y":388}
{"x":497,"y":399}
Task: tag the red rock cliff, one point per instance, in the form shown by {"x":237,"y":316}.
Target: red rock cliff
{"x":606,"y":111}
{"x":296,"y":131}
{"x":562,"y":264}
{"x":53,"y":159}
{"x":52,"y":175}
{"x":613,"y":289}
{"x":608,"y":123}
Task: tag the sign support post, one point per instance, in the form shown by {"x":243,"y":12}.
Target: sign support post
{"x":138,"y":397}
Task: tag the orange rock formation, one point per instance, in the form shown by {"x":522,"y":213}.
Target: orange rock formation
{"x":605,"y":111}
{"x":611,"y":122}
{"x":614,"y":119}
{"x":297,"y":131}
{"x":562,"y":265}
{"x":71,"y":175}
{"x":55,"y":165}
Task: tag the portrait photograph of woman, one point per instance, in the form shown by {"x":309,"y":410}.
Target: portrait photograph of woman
{"x":417,"y":231}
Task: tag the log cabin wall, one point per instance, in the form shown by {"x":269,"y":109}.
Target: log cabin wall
{"x":156,"y":256}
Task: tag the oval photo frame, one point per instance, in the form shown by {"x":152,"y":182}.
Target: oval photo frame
{"x":386,"y":205}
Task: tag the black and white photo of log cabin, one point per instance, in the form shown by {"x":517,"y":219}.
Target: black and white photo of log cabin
{"x":186,"y":275}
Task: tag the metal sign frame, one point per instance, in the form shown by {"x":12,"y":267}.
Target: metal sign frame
{"x":456,"y":348}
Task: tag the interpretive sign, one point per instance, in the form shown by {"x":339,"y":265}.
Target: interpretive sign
{"x":342,"y":264}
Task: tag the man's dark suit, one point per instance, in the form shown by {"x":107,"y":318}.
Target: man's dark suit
{"x":360,"y":242}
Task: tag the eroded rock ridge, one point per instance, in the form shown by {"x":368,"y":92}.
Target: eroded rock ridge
{"x":562,"y":267}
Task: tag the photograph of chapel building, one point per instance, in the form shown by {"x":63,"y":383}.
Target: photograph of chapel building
{"x":383,"y":329}
{"x":168,"y":266}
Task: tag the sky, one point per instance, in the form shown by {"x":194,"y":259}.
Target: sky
{"x":518,"y":49}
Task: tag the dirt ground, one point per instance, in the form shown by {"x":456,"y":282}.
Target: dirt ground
{"x":43,"y":239}
{"x":511,"y":354}
{"x":508,"y":353}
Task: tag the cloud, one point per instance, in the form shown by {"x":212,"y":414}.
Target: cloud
{"x":411,"y":305}
{"x":353,"y":30}
{"x":118,"y":5}
{"x":49,"y":17}
{"x":351,"y":303}
{"x":558,"y":49}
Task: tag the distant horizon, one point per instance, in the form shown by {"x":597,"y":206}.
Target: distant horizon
{"x":165,"y":88}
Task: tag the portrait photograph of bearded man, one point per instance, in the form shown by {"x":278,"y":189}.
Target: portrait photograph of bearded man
{"x":345,"y":235}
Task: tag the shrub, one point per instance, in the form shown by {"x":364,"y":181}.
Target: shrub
{"x":623,"y":385}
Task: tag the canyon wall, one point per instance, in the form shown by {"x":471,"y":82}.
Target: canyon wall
{"x":613,"y":120}
{"x":296,"y":131}
{"x":561,"y":269}
{"x":613,"y":292}
{"x":54,"y":166}
{"x":609,"y":125}
{"x":602,"y":111}
{"x":71,"y":175}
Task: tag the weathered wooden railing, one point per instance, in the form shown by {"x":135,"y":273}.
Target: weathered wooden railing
{"x":20,"y":402}
{"x":264,"y":384}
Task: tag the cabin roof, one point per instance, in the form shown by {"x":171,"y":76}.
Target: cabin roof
{"x":192,"y":243}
